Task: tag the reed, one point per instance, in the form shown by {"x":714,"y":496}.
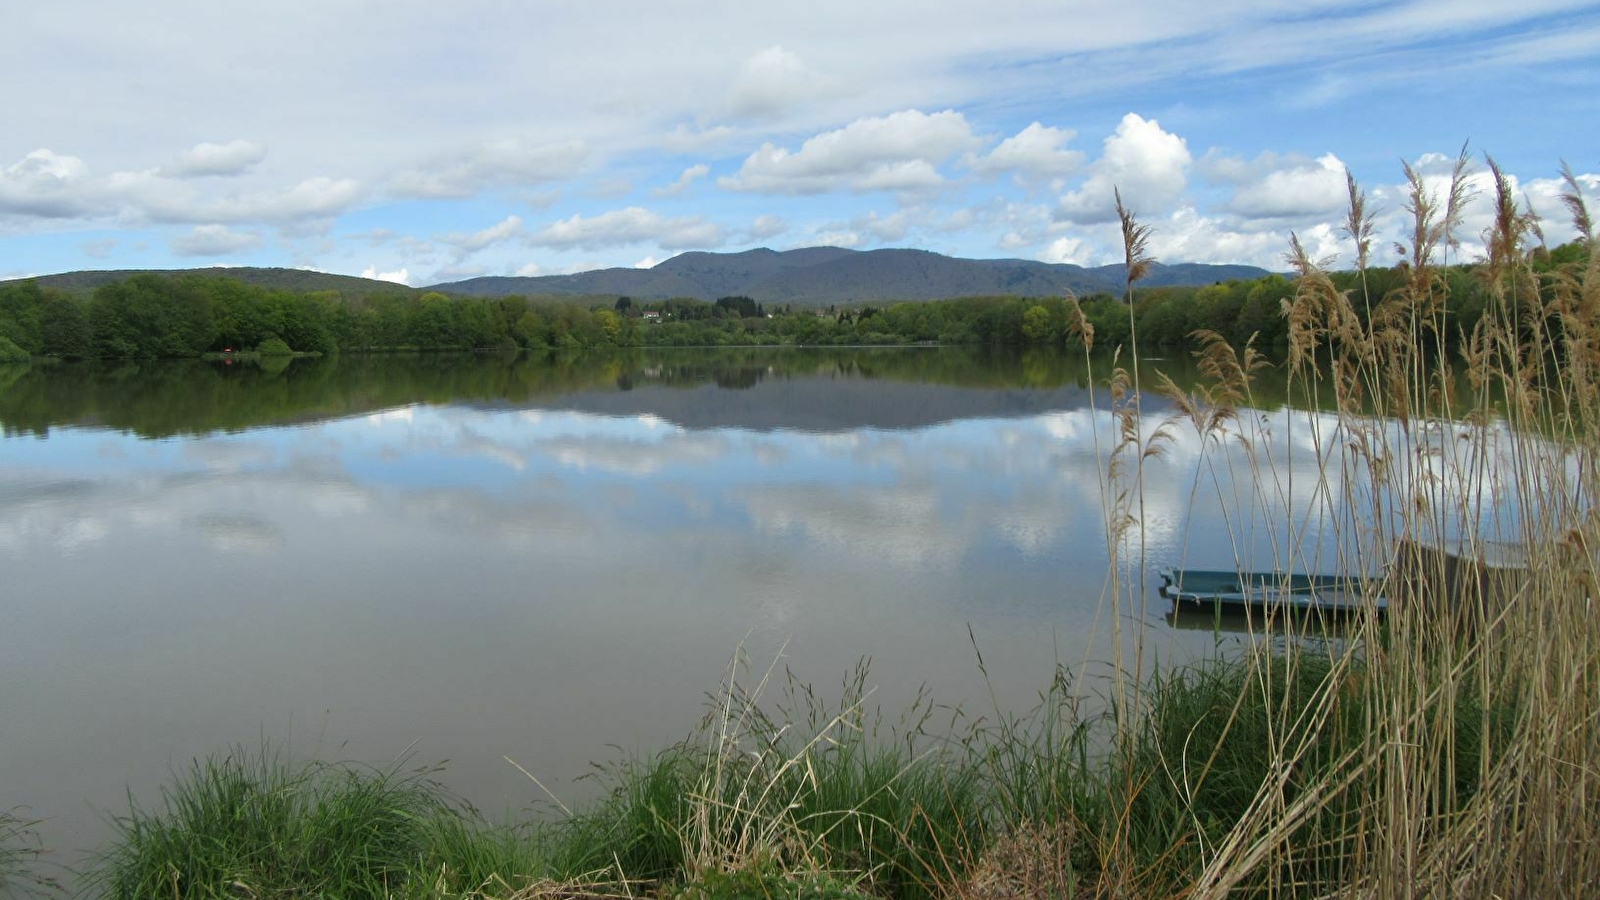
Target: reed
{"x":1448,"y":749}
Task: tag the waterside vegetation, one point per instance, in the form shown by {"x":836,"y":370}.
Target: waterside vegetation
{"x":1448,"y":750}
{"x":150,"y":316}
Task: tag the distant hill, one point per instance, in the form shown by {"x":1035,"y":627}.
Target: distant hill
{"x":811,"y":276}
{"x":823,"y":275}
{"x":298,"y":280}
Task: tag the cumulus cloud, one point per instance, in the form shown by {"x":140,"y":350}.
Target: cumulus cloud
{"x":633,"y":225}
{"x":1544,"y":196}
{"x":400,"y":276}
{"x":1148,"y":165}
{"x":149,"y":196}
{"x":1273,"y":187}
{"x":46,"y":184}
{"x":900,"y":151}
{"x":491,"y":165}
{"x":1187,"y":235}
{"x":772,"y":82}
{"x":1036,"y":152}
{"x":1067,"y":250}
{"x":232,"y":158}
{"x":689,"y":176}
{"x":506,"y":229}
{"x":213,"y":240}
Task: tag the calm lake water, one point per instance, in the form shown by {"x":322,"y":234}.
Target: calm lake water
{"x":551,"y":559}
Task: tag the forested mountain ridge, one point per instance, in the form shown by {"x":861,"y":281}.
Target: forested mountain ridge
{"x":269,"y":277}
{"x":819,"y":276}
{"x":810,"y":276}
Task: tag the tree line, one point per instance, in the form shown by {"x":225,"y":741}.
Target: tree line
{"x":150,"y":315}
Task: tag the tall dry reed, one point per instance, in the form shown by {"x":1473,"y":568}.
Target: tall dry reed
{"x":1452,"y":747}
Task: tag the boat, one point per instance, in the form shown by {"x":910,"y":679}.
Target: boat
{"x":1233,"y":590}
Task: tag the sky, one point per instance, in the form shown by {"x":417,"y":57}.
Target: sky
{"x":426,"y":142}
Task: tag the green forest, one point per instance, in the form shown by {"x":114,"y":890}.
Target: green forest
{"x":160,"y":316}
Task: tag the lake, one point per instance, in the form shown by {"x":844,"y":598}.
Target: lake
{"x":554,"y":559}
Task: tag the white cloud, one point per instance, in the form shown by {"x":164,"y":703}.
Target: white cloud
{"x":491,"y":165}
{"x":483,"y":112}
{"x":649,"y":262}
{"x":232,"y":158}
{"x":846,"y":239}
{"x":1037,"y":152}
{"x":1148,"y":165}
{"x":895,"y":152}
{"x":1190,"y":236}
{"x":46,"y":184}
{"x":1544,"y":194}
{"x":148,"y":196}
{"x":400,"y":276}
{"x":507,"y":228}
{"x":213,"y":240}
{"x":1067,"y":250}
{"x":767,"y":226}
{"x":905,"y":175}
{"x":687,"y":139}
{"x":772,"y":82}
{"x":633,"y":225}
{"x":689,"y":176}
{"x":1274,"y":187}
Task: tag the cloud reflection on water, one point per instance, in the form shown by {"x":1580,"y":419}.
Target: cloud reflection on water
{"x":463,"y":576}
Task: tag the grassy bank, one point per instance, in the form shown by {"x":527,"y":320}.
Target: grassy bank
{"x":781,"y":796}
{"x":784,"y":795}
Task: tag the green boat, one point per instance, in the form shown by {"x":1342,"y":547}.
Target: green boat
{"x":1228,"y":589}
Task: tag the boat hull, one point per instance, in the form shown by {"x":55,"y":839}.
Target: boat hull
{"x":1212,"y":588}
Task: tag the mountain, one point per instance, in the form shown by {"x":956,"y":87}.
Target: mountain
{"x":298,"y":280}
{"x":811,"y":276}
{"x":823,"y":275}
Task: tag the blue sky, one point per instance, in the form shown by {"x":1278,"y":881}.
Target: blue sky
{"x":429,"y":142}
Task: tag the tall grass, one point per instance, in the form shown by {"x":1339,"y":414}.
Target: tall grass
{"x":250,"y":824}
{"x":1448,"y":749}
{"x":21,"y":870}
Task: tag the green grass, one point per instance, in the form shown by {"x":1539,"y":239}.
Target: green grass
{"x":21,"y":872}
{"x":251,"y":824}
{"x":816,"y":802}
